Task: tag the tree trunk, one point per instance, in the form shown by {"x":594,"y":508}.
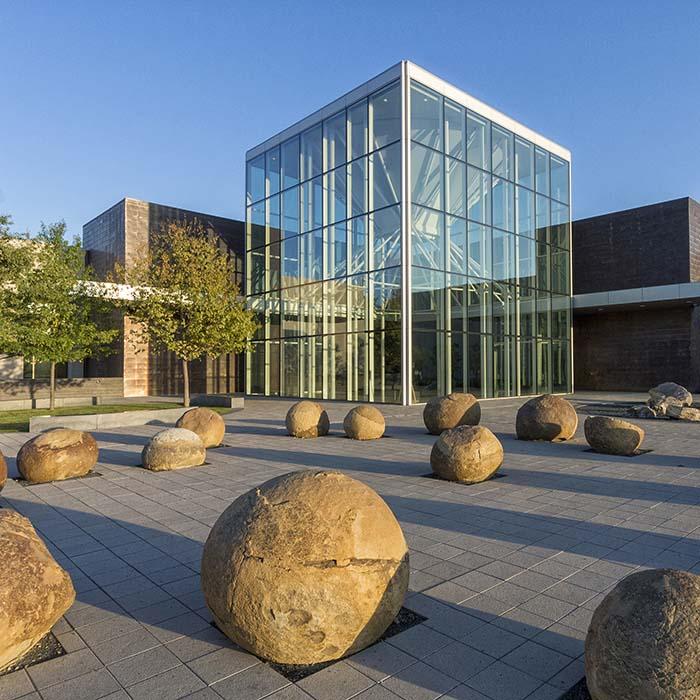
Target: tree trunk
{"x":186,"y":383}
{"x":52,"y":386}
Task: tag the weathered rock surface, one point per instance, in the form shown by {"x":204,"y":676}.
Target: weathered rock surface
{"x":34,"y":590}
{"x":307,"y":419}
{"x":662,"y":406}
{"x":309,"y":567}
{"x":468,"y":454}
{"x":57,"y":454}
{"x":671,"y":390}
{"x":642,"y":643}
{"x":683,"y":413}
{"x":612,"y":436}
{"x":208,"y":424}
{"x":173,"y":448}
{"x":446,"y":412}
{"x":364,"y":423}
{"x":546,"y":417}
{"x":3,"y":471}
{"x":642,"y":411}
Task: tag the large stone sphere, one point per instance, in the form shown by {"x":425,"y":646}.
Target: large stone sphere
{"x":208,"y":424}
{"x":34,"y":590}
{"x":307,"y":419}
{"x":364,"y":423}
{"x":468,"y":454}
{"x":3,"y":471}
{"x":546,"y":417}
{"x":642,"y":643}
{"x":446,"y":412}
{"x":57,"y":454}
{"x":612,"y":436}
{"x":309,"y":567}
{"x":173,"y":448}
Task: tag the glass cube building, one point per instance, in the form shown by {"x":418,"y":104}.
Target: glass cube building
{"x":407,"y":241}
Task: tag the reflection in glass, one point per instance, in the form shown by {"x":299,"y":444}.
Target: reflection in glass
{"x":311,"y":153}
{"x":455,"y":186}
{"x":337,"y":251}
{"x":524,"y":212}
{"x":478,"y":196}
{"x":272,"y":171}
{"x":502,"y":152}
{"x":560,"y":225}
{"x":290,"y":212}
{"x":311,"y":204}
{"x":386,"y":176}
{"x":502,"y":194}
{"x":524,"y":163}
{"x":427,"y":238}
{"x":527,"y":261}
{"x":273,"y":219}
{"x":560,"y":179}
{"x":386,"y":356}
{"x":336,"y":195}
{"x":457,"y":238}
{"x":357,"y":132}
{"x":385,"y":226}
{"x":541,"y":171}
{"x":289,"y":380}
{"x":290,"y":312}
{"x":427,"y":294}
{"x":426,"y":176}
{"x":358,"y":245}
{"x":256,"y":179}
{"x":385,"y":110}
{"x":357,"y":303}
{"x":542,"y":266}
{"x":426,"y":116}
{"x":527,"y":366}
{"x":542,"y":218}
{"x":387,"y":299}
{"x":256,"y":224}
{"x":478,"y":142}
{"x":454,"y":130}
{"x":503,"y":255}
{"x":357,"y":186}
{"x":428,"y":365}
{"x":334,"y":148}
{"x":290,"y":261}
{"x":560,"y":270}
{"x":479,"y":241}
{"x":290,"y":162}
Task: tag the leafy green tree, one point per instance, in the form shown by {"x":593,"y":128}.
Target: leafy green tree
{"x":184,"y":299}
{"x":48,"y":305}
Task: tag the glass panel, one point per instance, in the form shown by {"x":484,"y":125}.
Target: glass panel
{"x":290,"y":163}
{"x":336,"y":306}
{"x":357,"y":187}
{"x":256,"y":179}
{"x":560,"y":367}
{"x":504,"y":320}
{"x":542,"y":218}
{"x":479,"y":377}
{"x":311,"y":305}
{"x":527,"y":366}
{"x":290,"y":261}
{"x":457,"y":295}
{"x":524,"y":212}
{"x":273,"y":219}
{"x":311,"y":153}
{"x":560,"y":225}
{"x":426,"y":116}
{"x":311,"y":204}
{"x":256,"y":225}
{"x":427,"y":293}
{"x":273,"y":265}
{"x":337,"y":251}
{"x":273,"y":366}
{"x":504,"y":365}
{"x":541,"y":171}
{"x":503,"y":255}
{"x":387,"y":299}
{"x":479,"y":241}
{"x":478,"y":142}
{"x":290,"y":212}
{"x":426,"y":176}
{"x":272,"y":300}
{"x":457,"y":237}
{"x":358,"y":302}
{"x":560,"y":270}
{"x":428,"y":365}
{"x":561,"y":316}
{"x":386,"y":176}
{"x":527,"y":265}
{"x":385,"y":110}
{"x":524,"y":163}
{"x":478,"y":195}
{"x":543,"y":367}
{"x":502,"y":152}
{"x":454,"y":130}
{"x":544,"y":313}
{"x":455,"y":186}
{"x":290,"y":311}
{"x":479,"y":309}
{"x":458,"y":367}
{"x":358,"y":381}
{"x":542,"y":266}
{"x":427,"y":239}
{"x":386,"y":355}
{"x":527,"y":304}
{"x":256,"y":375}
{"x":357,"y":133}
{"x":358,"y":245}
{"x":289,"y":380}
{"x":385,"y":227}
{"x":311,"y":367}
{"x":257,"y":272}
{"x":503,"y":204}
{"x":337,"y":363}
{"x":334,"y":146}
{"x":311,"y":255}
{"x":336,"y":195}
{"x":560,"y":179}
{"x":272,"y":171}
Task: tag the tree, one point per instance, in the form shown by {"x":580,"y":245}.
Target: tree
{"x":184,"y":298}
{"x":48,"y":306}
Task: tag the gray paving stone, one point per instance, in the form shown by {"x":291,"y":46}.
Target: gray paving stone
{"x":90,"y":686}
{"x":256,"y":682}
{"x":537,"y":660}
{"x":144,"y":665}
{"x":173,"y":684}
{"x":15,"y":685}
{"x":459,"y":661}
{"x":419,"y":641}
{"x":420,"y":682}
{"x":502,"y":682}
{"x":380,"y":661}
{"x":127,"y":645}
{"x":63,"y":668}
{"x":335,"y":682}
{"x":222,"y":663}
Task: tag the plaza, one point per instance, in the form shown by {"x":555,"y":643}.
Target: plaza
{"x":506,"y":573}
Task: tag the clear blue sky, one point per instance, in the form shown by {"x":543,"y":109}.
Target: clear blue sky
{"x":160,"y":100}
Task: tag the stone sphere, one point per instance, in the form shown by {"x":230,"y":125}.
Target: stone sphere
{"x":309,"y":567}
{"x":446,"y":412}
{"x":34,"y":590}
{"x":546,"y":417}
{"x":468,"y":454}
{"x":642,"y":643}
{"x":3,"y":471}
{"x":208,"y":424}
{"x":57,"y":454}
{"x":364,"y":423}
{"x":307,"y":419}
{"x":173,"y":448}
{"x":612,"y":436}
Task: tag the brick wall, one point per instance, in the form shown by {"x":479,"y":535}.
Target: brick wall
{"x":640,"y":247}
{"x":635,"y":349}
{"x":694,"y":228}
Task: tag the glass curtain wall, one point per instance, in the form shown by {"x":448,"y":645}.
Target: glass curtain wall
{"x":323,"y":231}
{"x":490,"y":287}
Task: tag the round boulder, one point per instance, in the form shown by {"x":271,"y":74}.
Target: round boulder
{"x":642,"y":643}
{"x":546,"y":417}
{"x":364,"y":423}
{"x":34,"y":590}
{"x":307,"y":419}
{"x":208,"y":424}
{"x":309,"y":567}
{"x":57,"y":454}
{"x":173,"y":448}
{"x":446,"y":412}
{"x":468,"y":454}
{"x":612,"y":436}
{"x":3,"y":471}
{"x":671,"y":390}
